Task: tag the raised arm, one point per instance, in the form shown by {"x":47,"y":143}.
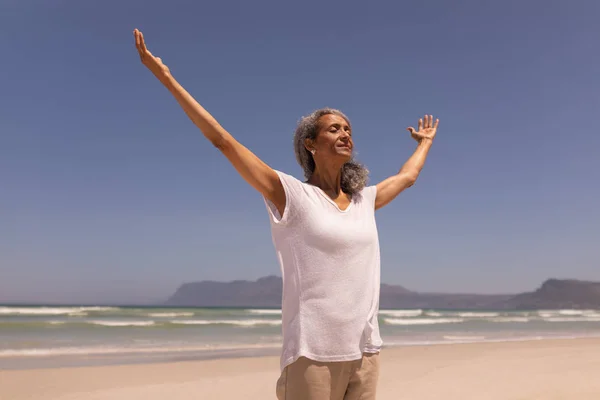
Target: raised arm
{"x":388,"y":189}
{"x":257,"y":173}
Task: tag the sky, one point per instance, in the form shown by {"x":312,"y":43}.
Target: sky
{"x":109,"y":194}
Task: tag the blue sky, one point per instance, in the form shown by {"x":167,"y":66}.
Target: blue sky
{"x":108,"y":193}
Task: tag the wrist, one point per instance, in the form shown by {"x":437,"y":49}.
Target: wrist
{"x":425,"y":141}
{"x":167,"y":79}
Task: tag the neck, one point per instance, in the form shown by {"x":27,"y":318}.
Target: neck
{"x":328,"y":178}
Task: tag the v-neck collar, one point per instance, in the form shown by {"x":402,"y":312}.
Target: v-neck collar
{"x":330,"y":200}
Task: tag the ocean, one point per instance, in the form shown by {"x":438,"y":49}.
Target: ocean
{"x":60,"y":336}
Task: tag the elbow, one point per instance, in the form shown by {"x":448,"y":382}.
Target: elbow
{"x":221,"y":143}
{"x":410,"y":178}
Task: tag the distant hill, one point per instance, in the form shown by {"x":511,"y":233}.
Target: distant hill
{"x":555,"y":293}
{"x":266,"y":292}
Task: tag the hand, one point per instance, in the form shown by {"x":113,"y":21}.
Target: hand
{"x":427,"y":129}
{"x":154,"y":64}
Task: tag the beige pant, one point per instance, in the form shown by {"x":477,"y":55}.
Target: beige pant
{"x":306,"y":379}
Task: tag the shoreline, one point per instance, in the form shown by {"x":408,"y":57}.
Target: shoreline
{"x":533,"y":369}
{"x":40,"y":362}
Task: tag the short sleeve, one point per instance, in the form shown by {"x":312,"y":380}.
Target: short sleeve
{"x":369,"y":194}
{"x":294,"y":191}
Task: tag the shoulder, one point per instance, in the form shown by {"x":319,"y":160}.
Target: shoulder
{"x":289,"y":181}
{"x":369,"y":191}
{"x":286,"y":176}
{"x":294,"y":188}
{"x":368,"y":194}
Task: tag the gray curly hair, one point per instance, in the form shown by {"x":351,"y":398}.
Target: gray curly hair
{"x":354,"y":174}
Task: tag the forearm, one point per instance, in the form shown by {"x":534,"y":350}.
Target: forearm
{"x":389,"y":188}
{"x":209,"y":126}
{"x":413,"y":166}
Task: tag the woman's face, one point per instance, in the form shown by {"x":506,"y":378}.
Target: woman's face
{"x":334,"y":138}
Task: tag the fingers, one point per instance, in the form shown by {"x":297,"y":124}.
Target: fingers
{"x":411,"y":130}
{"x":137,"y":39}
{"x":140,"y":44}
{"x":143,"y":43}
{"x":427,"y":122}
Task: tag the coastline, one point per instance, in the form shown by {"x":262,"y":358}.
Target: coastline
{"x":530,"y":369}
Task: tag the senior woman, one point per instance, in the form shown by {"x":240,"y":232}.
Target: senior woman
{"x":326,"y":240}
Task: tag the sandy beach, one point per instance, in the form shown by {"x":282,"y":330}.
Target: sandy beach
{"x":544,"y":370}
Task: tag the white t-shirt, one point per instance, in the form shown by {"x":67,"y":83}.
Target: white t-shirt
{"x":330,"y":265}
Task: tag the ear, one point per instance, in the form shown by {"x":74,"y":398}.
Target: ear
{"x":309,"y":144}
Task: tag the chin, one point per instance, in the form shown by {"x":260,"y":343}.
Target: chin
{"x":346,"y":156}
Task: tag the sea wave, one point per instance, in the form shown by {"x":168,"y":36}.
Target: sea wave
{"x":171,"y":314}
{"x":265,"y":312}
{"x":451,"y":340}
{"x":421,"y":321}
{"x":571,"y":319}
{"x":117,"y":323}
{"x":509,"y":319}
{"x":556,"y":313}
{"x":237,"y":322}
{"x":477,"y":314}
{"x":433,"y":314}
{"x":462,"y":314}
{"x":461,"y":338}
{"x":74,"y":351}
{"x":52,"y":310}
{"x":401,"y":313}
{"x":122,"y":323}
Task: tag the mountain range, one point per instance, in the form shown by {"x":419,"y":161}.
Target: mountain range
{"x":266,"y":292}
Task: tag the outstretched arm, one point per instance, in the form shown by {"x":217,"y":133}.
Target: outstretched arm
{"x":388,"y":189}
{"x":254,"y":171}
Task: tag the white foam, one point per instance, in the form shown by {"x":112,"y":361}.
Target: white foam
{"x":469,"y":338}
{"x":122,"y":323}
{"x":571,"y":312}
{"x":546,"y":314}
{"x":477,"y":314}
{"x":51,"y":310}
{"x":509,"y":319}
{"x":237,"y":322}
{"x":171,"y":315}
{"x":592,"y":312}
{"x":422,"y":321}
{"x":401,"y":313}
{"x":566,"y":312}
{"x":265,"y":312}
{"x":433,"y":314}
{"x":465,"y":314}
{"x":78,"y":314}
{"x":572,"y":319}
{"x":73,"y":351}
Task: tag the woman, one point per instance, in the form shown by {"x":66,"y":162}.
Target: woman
{"x":326,"y":240}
